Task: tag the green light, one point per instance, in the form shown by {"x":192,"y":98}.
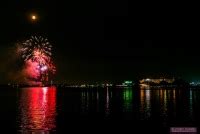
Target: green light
{"x":128,"y":82}
{"x":128,"y":97}
{"x":127,"y":94}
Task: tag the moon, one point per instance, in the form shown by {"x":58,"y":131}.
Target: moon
{"x":34,"y":17}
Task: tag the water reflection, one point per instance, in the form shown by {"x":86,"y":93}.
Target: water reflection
{"x":93,"y":100}
{"x":107,"y":107}
{"x":37,"y":109}
{"x":37,"y":106}
{"x":84,"y":101}
{"x":191,"y":105}
{"x":163,"y":104}
{"x":145,"y":104}
{"x":174,"y":102}
{"x":97,"y":101}
{"x":127,"y":98}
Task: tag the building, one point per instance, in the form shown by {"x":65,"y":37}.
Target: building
{"x":127,"y":83}
{"x":157,"y":81}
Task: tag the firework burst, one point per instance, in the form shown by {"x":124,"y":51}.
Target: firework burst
{"x":37,"y":52}
{"x":36,"y":46}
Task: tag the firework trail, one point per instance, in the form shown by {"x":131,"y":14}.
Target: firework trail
{"x":36,"y":48}
{"x":36,"y":54}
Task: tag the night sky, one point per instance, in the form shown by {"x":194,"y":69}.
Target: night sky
{"x":106,"y":41}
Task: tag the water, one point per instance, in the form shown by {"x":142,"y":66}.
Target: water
{"x":58,"y":110}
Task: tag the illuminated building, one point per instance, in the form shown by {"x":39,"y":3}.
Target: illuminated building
{"x":157,"y":81}
{"x":127,"y":83}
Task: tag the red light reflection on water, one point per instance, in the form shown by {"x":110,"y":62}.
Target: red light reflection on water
{"x":38,"y":108}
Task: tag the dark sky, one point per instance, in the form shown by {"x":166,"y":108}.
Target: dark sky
{"x":106,"y":40}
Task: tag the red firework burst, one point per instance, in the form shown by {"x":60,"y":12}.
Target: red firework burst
{"x":36,"y":51}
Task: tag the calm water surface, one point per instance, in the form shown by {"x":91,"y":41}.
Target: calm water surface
{"x":51,"y":109}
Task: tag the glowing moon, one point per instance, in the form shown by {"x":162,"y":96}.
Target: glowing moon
{"x":33,"y":17}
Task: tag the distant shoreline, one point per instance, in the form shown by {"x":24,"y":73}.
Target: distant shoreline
{"x":147,"y":87}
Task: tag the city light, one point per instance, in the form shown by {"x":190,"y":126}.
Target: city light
{"x":148,"y":79}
